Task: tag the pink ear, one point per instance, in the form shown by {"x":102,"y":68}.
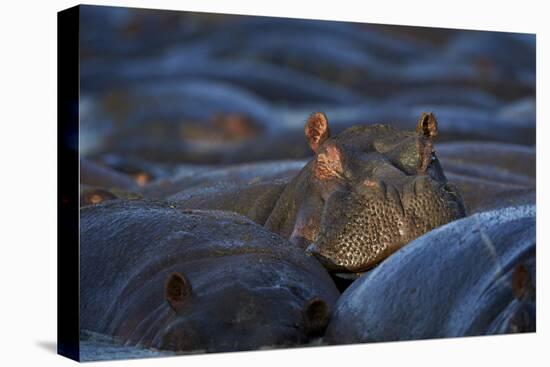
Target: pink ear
{"x":427,"y":125}
{"x":316,"y":130}
{"x":329,"y":163}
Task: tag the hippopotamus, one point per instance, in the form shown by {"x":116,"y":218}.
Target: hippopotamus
{"x":367,"y":192}
{"x":155,"y":276}
{"x":474,"y":276}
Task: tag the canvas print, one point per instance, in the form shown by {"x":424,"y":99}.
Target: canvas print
{"x":250,"y":183}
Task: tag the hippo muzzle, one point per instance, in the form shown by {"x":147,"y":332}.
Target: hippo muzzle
{"x":362,"y":227}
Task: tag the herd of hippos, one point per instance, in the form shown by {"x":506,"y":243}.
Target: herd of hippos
{"x":370,"y":240}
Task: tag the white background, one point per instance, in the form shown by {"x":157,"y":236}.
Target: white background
{"x":28,"y":183}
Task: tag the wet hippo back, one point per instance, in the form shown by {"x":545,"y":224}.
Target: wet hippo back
{"x":490,"y":175}
{"x":253,"y":200}
{"x":197,"y":176}
{"x":155,"y":276}
{"x":474,"y":276}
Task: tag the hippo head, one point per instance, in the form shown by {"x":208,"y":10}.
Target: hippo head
{"x":92,"y":196}
{"x":376,"y":189}
{"x":234,"y":317}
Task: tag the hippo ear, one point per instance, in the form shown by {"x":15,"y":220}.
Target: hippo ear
{"x":316,"y":130}
{"x":316,"y":315}
{"x":177,"y":291}
{"x":427,"y":125}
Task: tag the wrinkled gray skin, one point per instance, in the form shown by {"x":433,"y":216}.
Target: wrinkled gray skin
{"x":157,"y":277}
{"x":475,"y":276}
{"x":368,"y":191}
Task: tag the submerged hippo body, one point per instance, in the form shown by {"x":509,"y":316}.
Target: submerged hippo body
{"x":367,"y":192}
{"x":475,"y":276}
{"x":157,"y":277}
